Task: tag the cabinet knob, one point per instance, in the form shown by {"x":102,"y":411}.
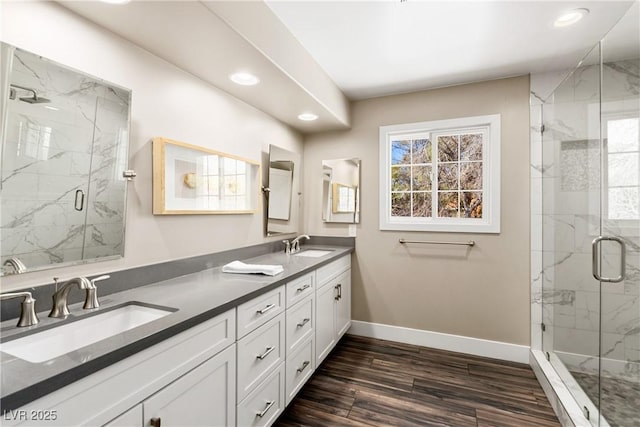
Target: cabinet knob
{"x":155,"y":422}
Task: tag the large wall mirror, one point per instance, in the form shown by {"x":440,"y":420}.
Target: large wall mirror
{"x":341,"y":190}
{"x":65,"y":147}
{"x":282,"y":191}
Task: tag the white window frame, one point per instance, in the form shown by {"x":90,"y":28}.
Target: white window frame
{"x":490,"y":222}
{"x":629,"y":225}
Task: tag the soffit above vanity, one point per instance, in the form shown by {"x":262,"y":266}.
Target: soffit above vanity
{"x":211,"y":41}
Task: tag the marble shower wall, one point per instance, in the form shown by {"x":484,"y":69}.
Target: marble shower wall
{"x":566,"y":213}
{"x":77,"y":141}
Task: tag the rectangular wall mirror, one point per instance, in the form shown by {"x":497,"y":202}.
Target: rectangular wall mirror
{"x":282,"y":191}
{"x":65,"y":146}
{"x":341,"y":190}
{"x":191,"y":180}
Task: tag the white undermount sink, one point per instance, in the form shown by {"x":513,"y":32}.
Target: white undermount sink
{"x":313,"y":253}
{"x":59,"y":340}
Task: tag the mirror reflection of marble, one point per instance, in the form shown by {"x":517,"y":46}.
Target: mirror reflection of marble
{"x":341,"y":191}
{"x":283,"y":191}
{"x":65,"y":146}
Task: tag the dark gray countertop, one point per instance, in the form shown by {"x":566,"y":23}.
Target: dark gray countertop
{"x":197,"y":297}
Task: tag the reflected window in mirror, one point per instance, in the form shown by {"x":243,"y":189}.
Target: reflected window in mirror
{"x":65,"y":146}
{"x":341,"y":191}
{"x":344,"y":198}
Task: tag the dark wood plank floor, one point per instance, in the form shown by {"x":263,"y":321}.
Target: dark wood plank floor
{"x":366,"y":382}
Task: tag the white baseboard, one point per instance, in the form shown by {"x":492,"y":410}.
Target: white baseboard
{"x":458,"y":343}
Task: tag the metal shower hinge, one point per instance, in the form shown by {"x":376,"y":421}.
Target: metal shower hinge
{"x":129,"y":174}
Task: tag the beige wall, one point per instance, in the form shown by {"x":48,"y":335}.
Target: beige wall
{"x":166,"y":102}
{"x":482,"y":292}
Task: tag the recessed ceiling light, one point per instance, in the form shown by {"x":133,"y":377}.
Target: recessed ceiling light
{"x":244,"y":79}
{"x":116,"y":1}
{"x":570,"y":17}
{"x":308,"y":117}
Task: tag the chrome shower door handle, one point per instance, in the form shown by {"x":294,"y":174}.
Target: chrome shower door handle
{"x":595,"y":259}
{"x":79,"y":201}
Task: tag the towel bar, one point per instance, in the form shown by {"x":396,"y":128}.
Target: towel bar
{"x":469,"y":243}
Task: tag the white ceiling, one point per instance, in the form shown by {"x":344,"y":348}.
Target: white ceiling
{"x":375,"y":48}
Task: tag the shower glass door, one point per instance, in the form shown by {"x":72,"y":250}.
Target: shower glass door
{"x":619,"y":389}
{"x":572,"y":155}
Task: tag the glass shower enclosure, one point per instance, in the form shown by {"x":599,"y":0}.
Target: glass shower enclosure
{"x":590,"y":238}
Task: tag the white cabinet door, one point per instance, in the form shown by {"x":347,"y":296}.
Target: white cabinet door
{"x":131,"y":418}
{"x":204,"y":396}
{"x":343,"y":304}
{"x":325,"y":321}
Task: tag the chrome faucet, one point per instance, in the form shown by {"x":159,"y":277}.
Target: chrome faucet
{"x":60,"y":307}
{"x":91,"y":300}
{"x":17,"y":265}
{"x":28,"y":315}
{"x":295,"y":243}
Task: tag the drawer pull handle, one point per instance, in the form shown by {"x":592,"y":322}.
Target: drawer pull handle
{"x":339,"y":291}
{"x":303,"y":367}
{"x":266,"y":353}
{"x":304,"y":322}
{"x":267,"y":308}
{"x":155,"y":422}
{"x":270,"y":403}
{"x":307,"y":286}
{"x":337,"y":297}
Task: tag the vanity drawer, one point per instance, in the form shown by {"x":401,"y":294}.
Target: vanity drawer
{"x":299,"y":288}
{"x":329,"y":271}
{"x":259,"y":353}
{"x":300,"y":324}
{"x":265,"y":403}
{"x":260,"y":310}
{"x":300,"y":366}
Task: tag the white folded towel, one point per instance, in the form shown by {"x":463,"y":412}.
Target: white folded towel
{"x":242,"y":268}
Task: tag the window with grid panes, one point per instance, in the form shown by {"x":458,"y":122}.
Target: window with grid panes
{"x":622,"y":154}
{"x":441,"y":175}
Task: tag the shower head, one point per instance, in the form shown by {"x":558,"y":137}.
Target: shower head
{"x":35,"y":99}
